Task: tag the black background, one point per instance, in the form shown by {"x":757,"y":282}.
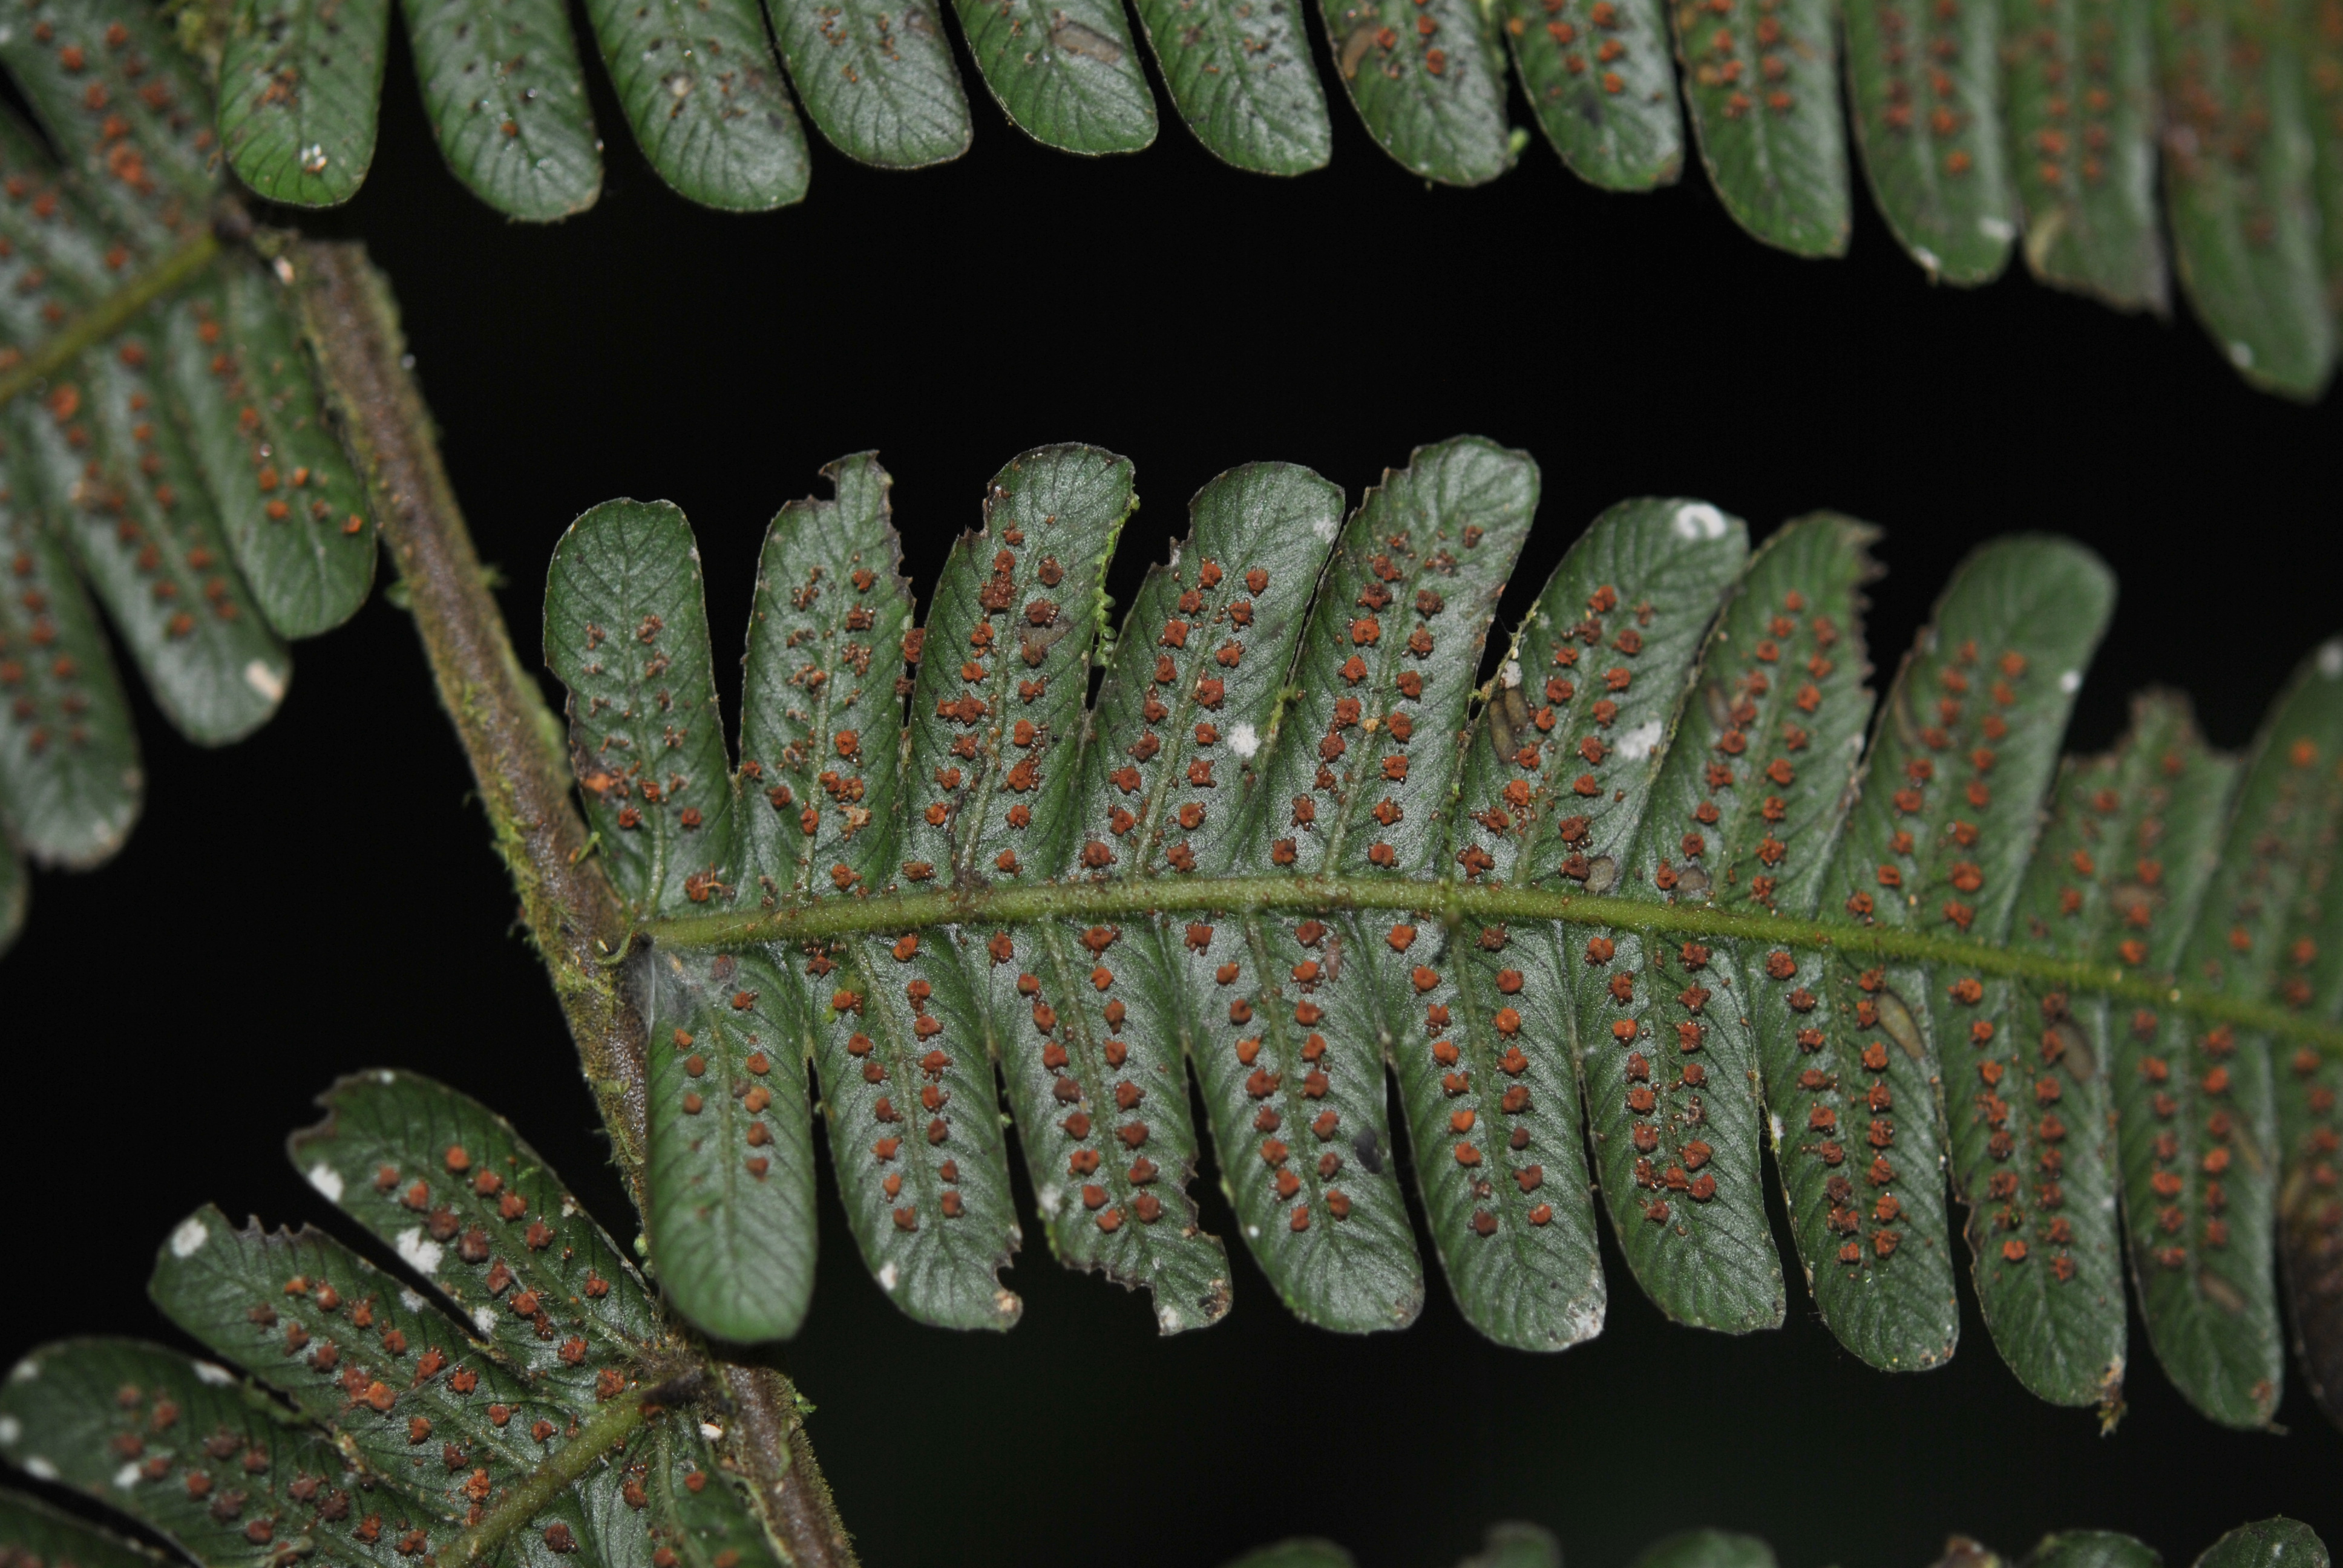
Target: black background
{"x":322,"y":897}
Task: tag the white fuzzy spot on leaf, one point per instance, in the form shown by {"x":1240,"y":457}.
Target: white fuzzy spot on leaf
{"x":327,"y":1179}
{"x":889,"y":1277}
{"x":125,"y":1478}
{"x":1997,"y":229}
{"x":2330,"y":659}
{"x":189,"y":1238}
{"x":11,"y":1429}
{"x":410,"y":1301}
{"x":1244,"y":739}
{"x":484,"y":1319}
{"x":214,"y":1373}
{"x":266,"y":679}
{"x":416,"y":1252}
{"x":1638,"y":742}
{"x":1325,"y":528}
{"x":39,"y":1469}
{"x":2070,"y":682}
{"x":1698,"y":520}
{"x":2241,"y":354}
{"x":711,"y":1431}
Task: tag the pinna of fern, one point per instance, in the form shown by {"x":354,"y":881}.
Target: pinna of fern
{"x":1982,"y":128}
{"x":1668,"y":879}
{"x":164,"y":454}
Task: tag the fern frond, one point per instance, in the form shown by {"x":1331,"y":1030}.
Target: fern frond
{"x":161,"y":434}
{"x":1652,"y":879}
{"x":1977,"y":126}
{"x":539,"y":1410}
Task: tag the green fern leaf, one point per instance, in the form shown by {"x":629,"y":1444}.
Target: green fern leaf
{"x":124,"y":109}
{"x":2042,"y":1232}
{"x":1085,"y":1034}
{"x":354,"y":1349}
{"x":411,"y":1395}
{"x":2272,"y":1543}
{"x":541,"y":1421}
{"x":1706,"y":1548}
{"x":1558,"y":776}
{"x":2086,"y":183}
{"x":708,"y":105}
{"x":188,"y":1450}
{"x":1101,"y":1096}
{"x":822,"y":720}
{"x":1196,"y":676}
{"x":880,"y":83}
{"x":626,"y":629}
{"x":924,"y":1174}
{"x":1241,"y":77}
{"x":999,"y":701}
{"x":448,"y":1186}
{"x":300,"y":93}
{"x":2237,"y":191}
{"x":1429,"y":80}
{"x":2092,"y":1549}
{"x":145,"y":532}
{"x":1924,"y":81}
{"x":1937,"y":839}
{"x":1665,"y":1044}
{"x":175,"y":462}
{"x":1763,"y":89}
{"x":36,"y":1532}
{"x":2200,"y":1141}
{"x":507,"y":100}
{"x":293,"y":512}
{"x":1988,"y":702}
{"x":1603,"y":84}
{"x":730,"y":1166}
{"x":881,"y":1022}
{"x":58,"y":251}
{"x":729,"y":1172}
{"x":1066,"y":75}
{"x":1356,"y":780}
{"x":1201,"y":667}
{"x":70,"y":784}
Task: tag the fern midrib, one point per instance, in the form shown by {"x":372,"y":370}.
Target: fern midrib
{"x":110,"y":315}
{"x":598,"y":1435}
{"x":1454,"y":905}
